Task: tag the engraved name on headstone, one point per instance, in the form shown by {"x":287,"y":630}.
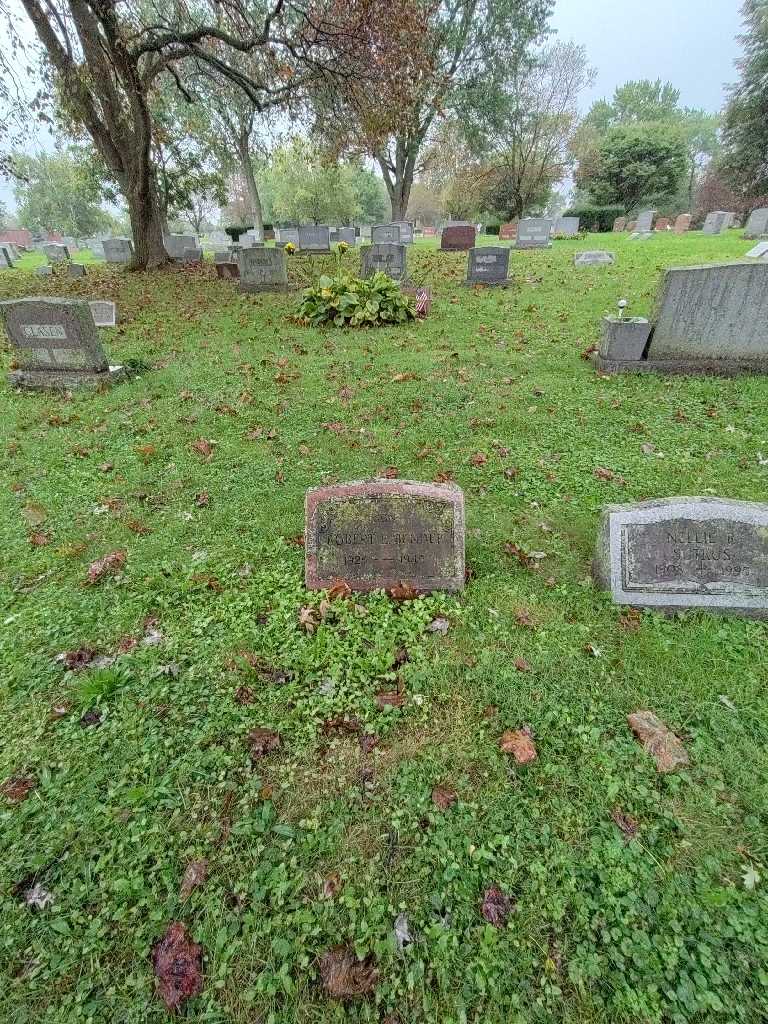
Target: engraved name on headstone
{"x":686,"y":552}
{"x":534,"y":233}
{"x":55,"y":344}
{"x":488,"y":264}
{"x":388,"y":257}
{"x":382,"y":533}
{"x":262,"y":270}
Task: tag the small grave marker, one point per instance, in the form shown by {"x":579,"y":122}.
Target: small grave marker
{"x":388,"y":257}
{"x":383,"y":533}
{"x":118,"y":250}
{"x":676,"y":553}
{"x":262,"y":270}
{"x":534,"y":233}
{"x":682,"y":223}
{"x":593,"y":256}
{"x":104,"y":313}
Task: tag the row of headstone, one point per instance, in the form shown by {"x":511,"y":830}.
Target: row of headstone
{"x":397,"y":231}
{"x":717,"y":221}
{"x":56,"y":345}
{"x":681,"y":225}
{"x":668,"y":554}
{"x":711,"y":320}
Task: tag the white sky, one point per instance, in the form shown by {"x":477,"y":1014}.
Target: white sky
{"x":690,"y":43}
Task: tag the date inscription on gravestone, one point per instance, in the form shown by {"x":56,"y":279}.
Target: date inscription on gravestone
{"x":381,"y":533}
{"x":687,"y":552}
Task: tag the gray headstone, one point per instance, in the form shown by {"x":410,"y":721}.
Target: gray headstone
{"x":383,"y":533}
{"x":534,"y":233}
{"x":177,"y":245}
{"x":757,"y":225}
{"x":192,"y":255}
{"x":759,"y":252}
{"x":592,"y":256}
{"x":346,"y":235}
{"x":488,"y":264}
{"x":365,"y":230}
{"x":385,"y":233}
{"x":715,"y":222}
{"x":222,"y":256}
{"x":76,"y":270}
{"x":718,"y":311}
{"x":104,"y":313}
{"x":568,"y":226}
{"x":285,"y":235}
{"x":387,"y":257}
{"x":677,"y":553}
{"x":645,"y":221}
{"x":406,"y":232}
{"x":56,"y":252}
{"x":118,"y":250}
{"x":44,"y":271}
{"x":314,"y":237}
{"x":55,"y":343}
{"x":6,"y":260}
{"x":263,"y":270}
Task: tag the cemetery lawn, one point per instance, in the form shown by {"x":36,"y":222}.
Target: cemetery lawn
{"x":634,"y":897}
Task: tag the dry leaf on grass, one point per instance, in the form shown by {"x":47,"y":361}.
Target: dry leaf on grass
{"x":195,"y":874}
{"x":203,"y":447}
{"x":403,"y":592}
{"x":331,"y":886}
{"x":177,"y":962}
{"x":309,"y":618}
{"x":17,"y":788}
{"x":658,"y":740}
{"x":522,"y":665}
{"x":109,"y":564}
{"x":496,"y":907}
{"x":519,"y":743}
{"x":344,"y":976}
{"x":262,"y":742}
{"x":339,"y":589}
{"x":390,"y":699}
{"x":444,"y":797}
{"x":625,"y":822}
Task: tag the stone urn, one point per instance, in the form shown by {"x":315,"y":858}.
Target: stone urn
{"x":624,"y":338}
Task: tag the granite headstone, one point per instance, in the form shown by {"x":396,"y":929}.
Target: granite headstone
{"x":118,"y":250}
{"x":682,"y":223}
{"x":757,"y":225}
{"x":387,"y":257}
{"x":104,"y":313}
{"x":56,"y":345}
{"x":488,"y":264}
{"x":314,"y":238}
{"x":457,"y":237}
{"x":645,"y":221}
{"x":534,"y":233}
{"x":686,"y":552}
{"x":385,"y":533}
{"x":262,"y":270}
{"x":385,"y":233}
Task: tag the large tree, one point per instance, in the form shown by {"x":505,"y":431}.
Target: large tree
{"x":58,"y":192}
{"x":526,"y":132}
{"x":635,"y":164}
{"x":746,"y":117}
{"x":106,"y":59}
{"x":453,"y":45}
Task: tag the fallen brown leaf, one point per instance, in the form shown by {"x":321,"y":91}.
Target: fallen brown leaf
{"x":244,"y":695}
{"x":522,"y":665}
{"x":626,"y":822}
{"x":444,"y":797}
{"x":309,"y":618}
{"x":203,"y":447}
{"x":403,"y":592}
{"x":195,"y":874}
{"x":39,"y":538}
{"x":496,"y":907}
{"x":17,"y":788}
{"x":177,"y":962}
{"x":658,"y":740}
{"x":111,"y":563}
{"x":344,"y":976}
{"x":331,"y":885}
{"x":390,"y":699}
{"x":262,"y":742}
{"x":519,"y":743}
{"x":340,"y":588}
{"x":478,"y":459}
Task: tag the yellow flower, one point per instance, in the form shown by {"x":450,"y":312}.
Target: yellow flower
{"x":343,"y":246}
{"x":290,"y":248}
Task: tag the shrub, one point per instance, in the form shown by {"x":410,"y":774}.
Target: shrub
{"x":492,"y":229}
{"x":344,"y":300}
{"x":603,"y":216}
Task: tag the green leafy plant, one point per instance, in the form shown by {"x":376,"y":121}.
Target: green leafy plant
{"x":348,"y":301}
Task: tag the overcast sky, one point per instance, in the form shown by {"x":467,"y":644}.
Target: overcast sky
{"x":690,"y":43}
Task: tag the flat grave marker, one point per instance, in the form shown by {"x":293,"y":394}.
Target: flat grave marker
{"x":686,"y":552}
{"x":104,"y":313}
{"x":593,"y":257}
{"x":380,"y":534}
{"x":759,"y":251}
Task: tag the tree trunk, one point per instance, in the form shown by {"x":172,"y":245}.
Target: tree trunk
{"x":146,"y":221}
{"x":398,"y":177}
{"x":250,"y":183}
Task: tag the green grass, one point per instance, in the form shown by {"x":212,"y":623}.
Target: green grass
{"x":659,"y":929}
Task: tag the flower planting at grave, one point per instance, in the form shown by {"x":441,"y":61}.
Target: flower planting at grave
{"x":346,"y":301}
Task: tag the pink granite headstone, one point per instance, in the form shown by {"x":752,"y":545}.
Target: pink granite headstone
{"x":662,"y":224}
{"x":508,"y":232}
{"x":620,"y":224}
{"x":457,"y":237}
{"x":378,"y":534}
{"x":683,"y":223}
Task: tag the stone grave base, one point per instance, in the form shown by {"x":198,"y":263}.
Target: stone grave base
{"x":489,"y":284}
{"x":688,"y":367}
{"x":65,"y":380}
